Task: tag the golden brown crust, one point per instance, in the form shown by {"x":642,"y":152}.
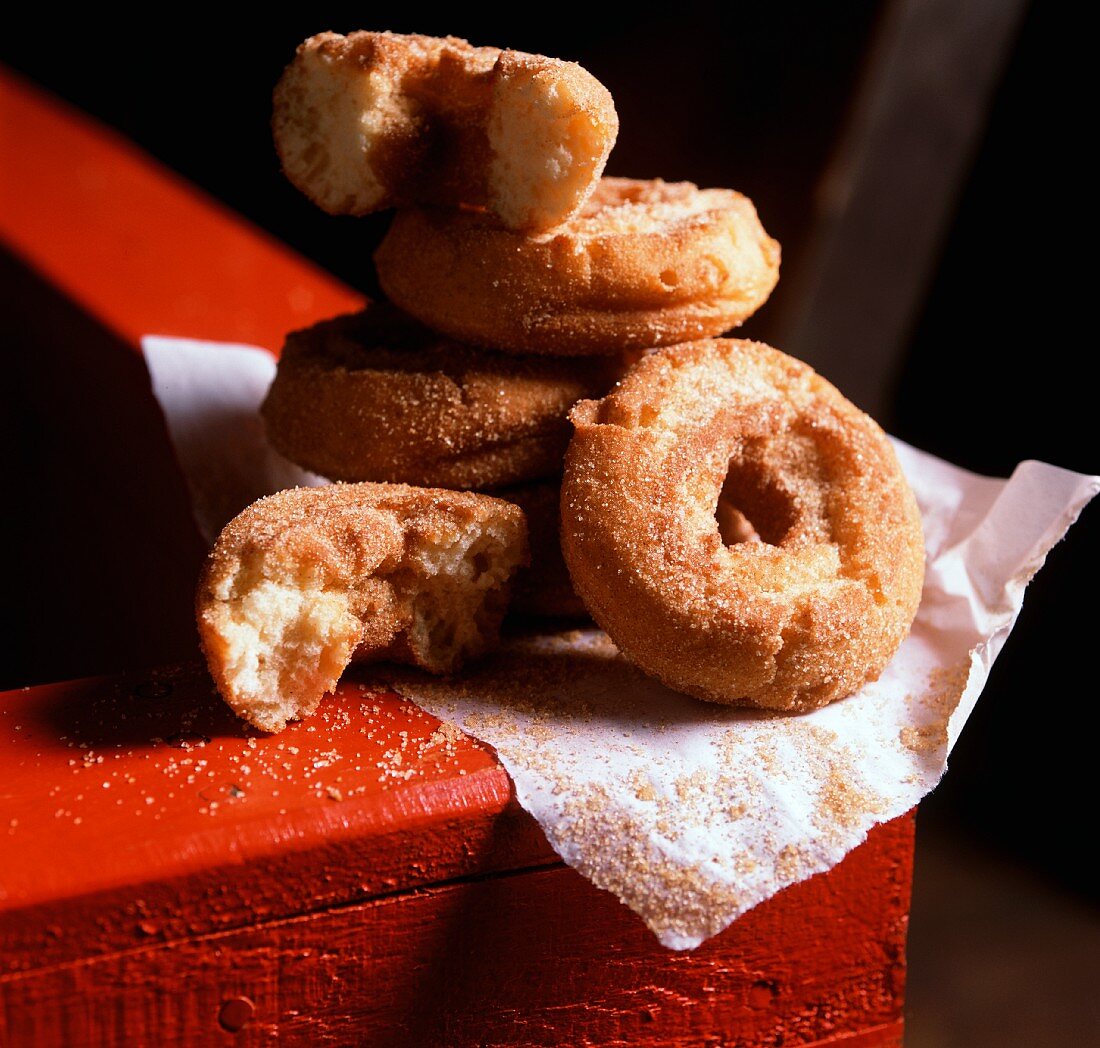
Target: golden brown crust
{"x":798,"y":620}
{"x":543,"y":588}
{"x":643,"y":264}
{"x":376,"y":120}
{"x":305,"y":580}
{"x":375,"y":396}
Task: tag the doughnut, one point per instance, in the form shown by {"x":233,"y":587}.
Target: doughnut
{"x":802,"y":617}
{"x":304,"y":581}
{"x":375,"y":396}
{"x":543,"y":588}
{"x":377,"y":120}
{"x":643,"y":264}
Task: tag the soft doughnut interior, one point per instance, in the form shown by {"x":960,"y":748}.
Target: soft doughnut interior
{"x":281,"y":644}
{"x":284,"y":609}
{"x":548,"y":145}
{"x":328,"y":117}
{"x":456,"y":589}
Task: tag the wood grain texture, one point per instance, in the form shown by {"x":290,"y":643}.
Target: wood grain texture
{"x":344,"y":872}
{"x":534,"y":958}
{"x":139,"y":809}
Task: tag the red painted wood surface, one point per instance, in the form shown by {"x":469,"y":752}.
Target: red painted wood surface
{"x":363,"y":878}
{"x":133,"y":806}
{"x":487,"y":962}
{"x":357,"y":878}
{"x":133,"y":244}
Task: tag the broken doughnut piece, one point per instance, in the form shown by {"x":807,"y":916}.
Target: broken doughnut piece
{"x":306,"y":581}
{"x":376,"y":120}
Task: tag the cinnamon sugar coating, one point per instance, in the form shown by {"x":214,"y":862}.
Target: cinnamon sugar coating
{"x":644,"y":263}
{"x":376,"y":120}
{"x":799,"y":619}
{"x":375,"y":396}
{"x":304,"y":581}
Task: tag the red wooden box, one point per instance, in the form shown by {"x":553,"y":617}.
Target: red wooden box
{"x":364,"y":877}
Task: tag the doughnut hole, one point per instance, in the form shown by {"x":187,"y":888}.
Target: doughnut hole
{"x":752,"y":507}
{"x":733,"y":525}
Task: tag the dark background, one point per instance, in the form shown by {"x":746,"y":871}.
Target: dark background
{"x":749,"y":96}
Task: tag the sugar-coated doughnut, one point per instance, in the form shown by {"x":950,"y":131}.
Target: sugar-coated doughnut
{"x":375,"y":396}
{"x":643,"y":264}
{"x":306,"y":580}
{"x":376,"y":120}
{"x":801,"y":618}
{"x":543,"y":588}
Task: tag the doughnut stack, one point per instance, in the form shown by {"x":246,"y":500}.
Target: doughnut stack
{"x":500,"y":318}
{"x":722,"y":506}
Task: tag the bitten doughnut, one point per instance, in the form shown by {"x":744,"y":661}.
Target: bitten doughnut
{"x":643,"y":264}
{"x":375,"y":396}
{"x":375,"y":120}
{"x":804,"y":616}
{"x":543,"y":588}
{"x":306,"y":580}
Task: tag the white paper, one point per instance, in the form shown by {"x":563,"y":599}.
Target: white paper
{"x":692,"y":813}
{"x":210,"y":393}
